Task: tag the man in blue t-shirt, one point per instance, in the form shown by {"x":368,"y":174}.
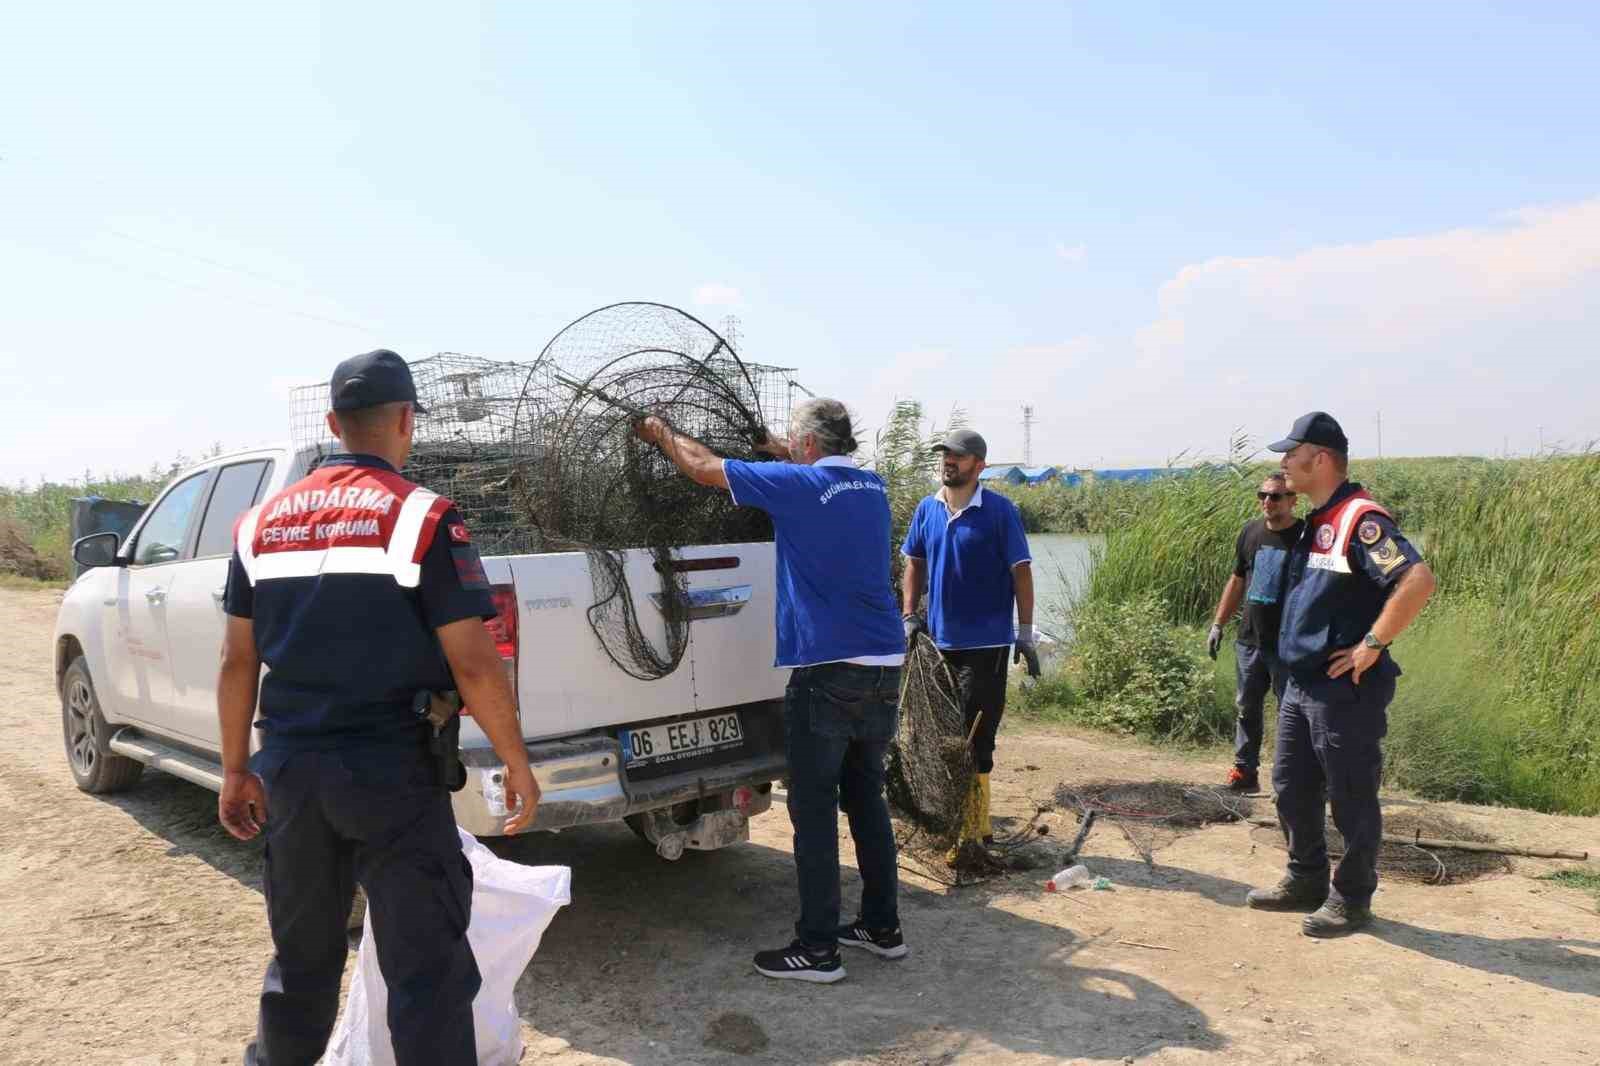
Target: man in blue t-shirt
{"x":838,"y":631}
{"x":968,"y":547}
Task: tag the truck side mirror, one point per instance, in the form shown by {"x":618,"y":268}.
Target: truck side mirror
{"x":97,"y":549}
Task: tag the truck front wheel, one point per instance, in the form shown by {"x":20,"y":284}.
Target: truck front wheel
{"x":95,"y":768}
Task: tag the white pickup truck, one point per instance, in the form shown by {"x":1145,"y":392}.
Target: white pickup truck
{"x":685,"y":760}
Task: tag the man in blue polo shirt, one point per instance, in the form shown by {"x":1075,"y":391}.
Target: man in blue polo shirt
{"x":968,"y":547}
{"x":838,"y":632}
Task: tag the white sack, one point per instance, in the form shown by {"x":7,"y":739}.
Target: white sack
{"x":512,"y":905}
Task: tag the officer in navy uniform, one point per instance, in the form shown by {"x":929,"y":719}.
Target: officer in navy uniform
{"x":1352,"y":585}
{"x":359,"y":590}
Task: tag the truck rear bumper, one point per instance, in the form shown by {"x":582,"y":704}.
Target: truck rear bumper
{"x":581,"y":781}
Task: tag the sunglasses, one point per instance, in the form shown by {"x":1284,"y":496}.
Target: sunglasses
{"x":1274,"y":496}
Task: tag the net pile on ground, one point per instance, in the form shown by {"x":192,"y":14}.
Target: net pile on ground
{"x":1409,"y":862}
{"x":1153,"y":814}
{"x":540,"y":456}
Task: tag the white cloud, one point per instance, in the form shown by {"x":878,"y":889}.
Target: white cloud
{"x":1456,"y":336}
{"x":1073,"y":253}
{"x":716,"y":294}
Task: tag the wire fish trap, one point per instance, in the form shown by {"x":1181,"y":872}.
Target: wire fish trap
{"x":587,"y":483}
{"x":539,"y":456}
{"x":931,"y":772}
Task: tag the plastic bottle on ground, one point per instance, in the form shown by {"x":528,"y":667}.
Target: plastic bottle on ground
{"x":1071,"y":877}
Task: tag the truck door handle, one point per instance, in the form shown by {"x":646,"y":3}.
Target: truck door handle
{"x":156,"y":597}
{"x":711,"y":603}
{"x":219,"y":594}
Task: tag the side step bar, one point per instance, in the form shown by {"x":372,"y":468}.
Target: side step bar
{"x":168,"y":758}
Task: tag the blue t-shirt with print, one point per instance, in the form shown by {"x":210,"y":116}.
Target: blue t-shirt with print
{"x":971,"y":593}
{"x":831,"y":524}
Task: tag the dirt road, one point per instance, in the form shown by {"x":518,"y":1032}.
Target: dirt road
{"x":133,"y":933}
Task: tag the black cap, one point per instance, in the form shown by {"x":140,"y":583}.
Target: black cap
{"x":370,"y":379}
{"x":1317,"y":428}
{"x":963,"y":442}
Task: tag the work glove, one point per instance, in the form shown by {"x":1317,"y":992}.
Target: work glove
{"x":1214,"y":640}
{"x":913,"y":624}
{"x":1027,"y":648}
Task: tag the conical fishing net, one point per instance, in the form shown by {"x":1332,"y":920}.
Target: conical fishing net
{"x":540,"y":457}
{"x":932,"y":773}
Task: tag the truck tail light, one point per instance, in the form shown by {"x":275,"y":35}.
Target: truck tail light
{"x":503,"y":626}
{"x":503,"y":631}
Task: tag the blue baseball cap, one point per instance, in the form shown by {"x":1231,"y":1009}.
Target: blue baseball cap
{"x":1319,"y":428}
{"x":371,"y":379}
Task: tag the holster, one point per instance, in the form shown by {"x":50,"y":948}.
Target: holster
{"x":440,"y":714}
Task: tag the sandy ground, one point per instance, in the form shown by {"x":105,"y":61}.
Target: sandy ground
{"x":133,"y":932}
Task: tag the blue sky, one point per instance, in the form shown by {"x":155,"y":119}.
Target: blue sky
{"x":1158,"y":223}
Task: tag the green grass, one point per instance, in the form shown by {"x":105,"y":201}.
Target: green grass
{"x":42,"y":513}
{"x":15,"y":581}
{"x":1585,"y":880}
{"x":1500,"y":702}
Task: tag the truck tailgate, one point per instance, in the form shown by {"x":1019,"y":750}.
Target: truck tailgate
{"x":567,"y":683}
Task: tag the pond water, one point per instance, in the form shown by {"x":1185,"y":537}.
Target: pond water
{"x":1061,"y":564}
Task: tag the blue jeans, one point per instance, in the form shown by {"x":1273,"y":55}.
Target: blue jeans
{"x":1257,"y":669}
{"x":1329,"y":745}
{"x":838,"y":720}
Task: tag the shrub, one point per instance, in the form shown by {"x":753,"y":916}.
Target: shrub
{"x":1140,"y":674}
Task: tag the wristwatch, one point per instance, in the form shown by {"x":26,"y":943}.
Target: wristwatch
{"x":1372,"y":642}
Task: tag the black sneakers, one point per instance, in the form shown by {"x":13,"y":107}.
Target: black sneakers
{"x":798,"y":963}
{"x":886,"y":945}
{"x":1289,"y":894}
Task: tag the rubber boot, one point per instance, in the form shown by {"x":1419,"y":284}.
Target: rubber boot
{"x":973,"y":807}
{"x":984,"y":829}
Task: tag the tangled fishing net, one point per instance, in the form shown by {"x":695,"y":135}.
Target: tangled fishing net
{"x":931,"y":774}
{"x":1153,"y":814}
{"x":540,"y":457}
{"x":1415,"y":862}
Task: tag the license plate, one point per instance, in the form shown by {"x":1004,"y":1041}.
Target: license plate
{"x":686,"y":739}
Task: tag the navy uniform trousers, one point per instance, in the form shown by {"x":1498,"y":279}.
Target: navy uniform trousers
{"x":379,"y":818}
{"x":1329,"y":747}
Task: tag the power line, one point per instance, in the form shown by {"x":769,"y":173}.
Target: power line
{"x":94,"y":260}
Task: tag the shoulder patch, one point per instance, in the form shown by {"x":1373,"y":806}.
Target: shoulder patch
{"x":469,"y":568}
{"x":1369,"y":532}
{"x":1387,"y":555}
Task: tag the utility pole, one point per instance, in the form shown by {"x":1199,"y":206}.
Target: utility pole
{"x":1027,"y":434}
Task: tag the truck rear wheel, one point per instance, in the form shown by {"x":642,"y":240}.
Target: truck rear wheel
{"x":95,"y":768}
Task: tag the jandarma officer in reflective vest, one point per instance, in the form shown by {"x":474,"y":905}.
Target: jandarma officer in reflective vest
{"x":359,"y":590}
{"x":1352,"y":585}
{"x":838,"y":630}
{"x":969,"y":549}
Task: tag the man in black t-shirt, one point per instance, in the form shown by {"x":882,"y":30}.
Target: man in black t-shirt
{"x":1257,"y":583}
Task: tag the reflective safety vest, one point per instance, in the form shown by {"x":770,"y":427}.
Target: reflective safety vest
{"x":334,"y":563}
{"x":1326,"y":605}
{"x":341,"y":520}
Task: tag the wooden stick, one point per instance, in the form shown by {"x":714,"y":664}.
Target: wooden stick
{"x":1083,"y":834}
{"x":1487,"y":847}
{"x":1152,"y":947}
